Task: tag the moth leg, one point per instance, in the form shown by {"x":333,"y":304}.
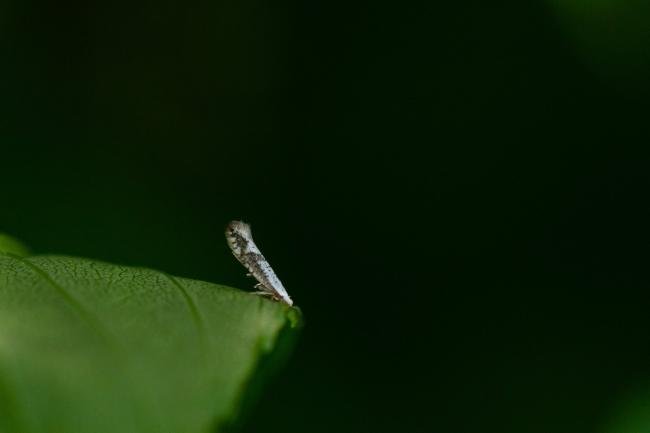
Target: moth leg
{"x":262,"y":290}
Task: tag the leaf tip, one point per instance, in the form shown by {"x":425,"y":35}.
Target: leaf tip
{"x":295,"y":317}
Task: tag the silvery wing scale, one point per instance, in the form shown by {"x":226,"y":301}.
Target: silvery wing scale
{"x":240,"y":241}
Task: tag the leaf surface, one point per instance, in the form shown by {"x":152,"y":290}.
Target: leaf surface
{"x":87,"y":346}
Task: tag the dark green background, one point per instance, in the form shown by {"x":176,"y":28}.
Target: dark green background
{"x":456,"y":195}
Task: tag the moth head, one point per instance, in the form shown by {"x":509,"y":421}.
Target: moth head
{"x":237,"y":235}
{"x":238,"y":227}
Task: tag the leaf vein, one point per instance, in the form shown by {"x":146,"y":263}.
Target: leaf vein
{"x":86,"y":315}
{"x":191,"y":304}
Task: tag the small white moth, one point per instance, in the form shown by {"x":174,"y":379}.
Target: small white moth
{"x":240,"y":241}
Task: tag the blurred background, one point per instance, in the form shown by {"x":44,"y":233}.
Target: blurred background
{"x":455,"y":194}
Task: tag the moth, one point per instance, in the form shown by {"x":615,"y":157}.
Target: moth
{"x":240,"y":241}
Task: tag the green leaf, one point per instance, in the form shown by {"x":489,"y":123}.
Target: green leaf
{"x":9,"y":245}
{"x":92,"y":347}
